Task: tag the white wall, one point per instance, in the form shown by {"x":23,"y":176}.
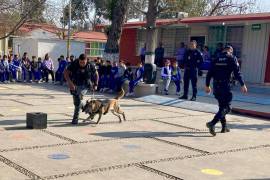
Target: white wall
{"x":55,"y":48}
{"x":255,"y":47}
{"x":21,"y":45}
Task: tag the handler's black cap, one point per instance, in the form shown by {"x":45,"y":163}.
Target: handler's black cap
{"x":82,"y":57}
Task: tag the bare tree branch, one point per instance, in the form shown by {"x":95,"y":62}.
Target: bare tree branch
{"x":23,"y":19}
{"x":136,"y":8}
{"x":217,"y":6}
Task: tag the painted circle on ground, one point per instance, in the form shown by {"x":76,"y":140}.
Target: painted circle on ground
{"x":89,"y":131}
{"x":213,"y":172}
{"x":131,"y":146}
{"x":19,"y":136}
{"x":58,"y":156}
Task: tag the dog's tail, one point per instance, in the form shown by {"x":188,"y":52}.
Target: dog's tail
{"x":120,"y":94}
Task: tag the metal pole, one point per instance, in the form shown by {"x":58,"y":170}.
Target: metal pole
{"x":69,"y":24}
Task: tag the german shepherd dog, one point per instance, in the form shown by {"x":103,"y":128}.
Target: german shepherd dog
{"x":102,"y":107}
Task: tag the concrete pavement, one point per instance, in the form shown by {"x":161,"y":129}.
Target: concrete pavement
{"x":156,"y":142}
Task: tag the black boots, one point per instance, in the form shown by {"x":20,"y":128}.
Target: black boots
{"x":211,"y":128}
{"x":183,"y":97}
{"x":193,"y":98}
{"x":224,"y":128}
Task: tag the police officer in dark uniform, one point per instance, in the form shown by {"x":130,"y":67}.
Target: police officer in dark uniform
{"x":192,"y":61}
{"x":221,"y":69}
{"x":81,"y":76}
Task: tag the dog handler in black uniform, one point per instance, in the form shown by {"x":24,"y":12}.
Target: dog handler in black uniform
{"x":81,"y":76}
{"x":221,"y":69}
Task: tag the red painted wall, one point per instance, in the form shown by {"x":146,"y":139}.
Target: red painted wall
{"x":128,"y":46}
{"x":267,"y":72}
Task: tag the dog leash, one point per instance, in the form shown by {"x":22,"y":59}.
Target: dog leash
{"x":93,"y":92}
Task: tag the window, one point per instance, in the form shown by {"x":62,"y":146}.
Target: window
{"x":234,"y":37}
{"x":216,"y":35}
{"x":168,"y":40}
{"x":141,"y":38}
{"x":94,"y":49}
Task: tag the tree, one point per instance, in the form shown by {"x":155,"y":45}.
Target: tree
{"x":154,"y":9}
{"x":14,"y":13}
{"x":79,"y":15}
{"x":116,"y":12}
{"x":219,"y":7}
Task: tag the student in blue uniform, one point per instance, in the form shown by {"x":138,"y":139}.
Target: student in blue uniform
{"x":166,"y":75}
{"x":26,"y":68}
{"x":176,"y":77}
{"x":120,"y":75}
{"x":107,"y":75}
{"x":192,"y":62}
{"x":5,"y":71}
{"x":41,"y":70}
{"x":221,"y":70}
{"x":113,"y":76}
{"x":16,"y":65}
{"x":59,"y":76}
{"x":138,"y":78}
{"x":35,"y":69}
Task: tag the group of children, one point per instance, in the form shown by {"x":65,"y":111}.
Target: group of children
{"x":113,"y":75}
{"x":21,"y":69}
{"x":171,"y":73}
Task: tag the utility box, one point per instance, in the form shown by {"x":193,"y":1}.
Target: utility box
{"x":36,"y":120}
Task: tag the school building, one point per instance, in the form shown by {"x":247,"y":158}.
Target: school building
{"x":249,"y":35}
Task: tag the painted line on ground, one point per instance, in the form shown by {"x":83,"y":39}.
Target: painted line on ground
{"x":59,"y":136}
{"x":145,"y":163}
{"x":178,"y":145}
{"x":24,"y":103}
{"x":158,"y":172}
{"x":19,"y":168}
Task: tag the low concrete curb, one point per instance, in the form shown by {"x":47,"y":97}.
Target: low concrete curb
{"x":247,"y":112}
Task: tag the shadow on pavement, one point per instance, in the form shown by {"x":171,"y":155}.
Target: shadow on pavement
{"x":257,"y":127}
{"x":150,"y":134}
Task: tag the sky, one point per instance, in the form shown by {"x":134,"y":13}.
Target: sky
{"x":261,"y":6}
{"x":264,"y":5}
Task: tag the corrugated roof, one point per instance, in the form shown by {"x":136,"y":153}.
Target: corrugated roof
{"x":90,"y":35}
{"x":28,"y":27}
{"x":204,"y":19}
{"x":242,"y":17}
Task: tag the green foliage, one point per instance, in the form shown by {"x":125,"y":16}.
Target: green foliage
{"x":79,"y":11}
{"x":37,"y":14}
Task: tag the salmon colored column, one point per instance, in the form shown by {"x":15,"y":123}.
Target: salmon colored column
{"x":128,"y":46}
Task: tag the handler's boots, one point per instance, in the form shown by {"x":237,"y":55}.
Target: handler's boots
{"x":183,"y":97}
{"x":224,"y":128}
{"x":193,"y":98}
{"x":211,"y":128}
